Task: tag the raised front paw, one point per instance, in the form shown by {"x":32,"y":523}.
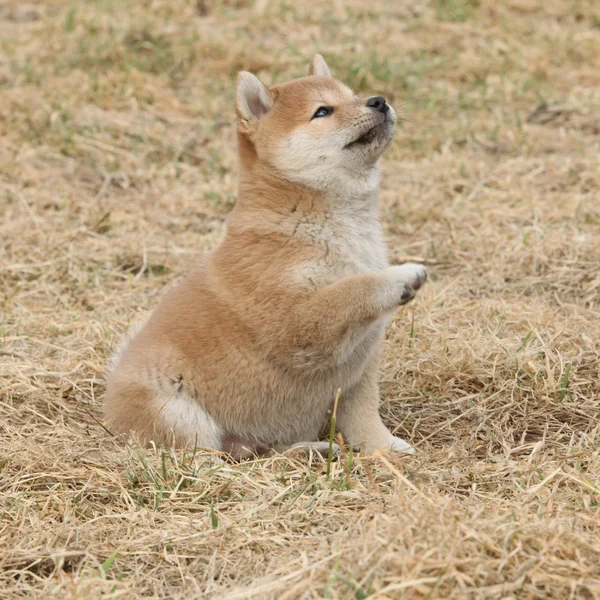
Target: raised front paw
{"x":408,"y":278}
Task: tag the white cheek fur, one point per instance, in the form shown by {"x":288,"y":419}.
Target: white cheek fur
{"x":323,"y":163}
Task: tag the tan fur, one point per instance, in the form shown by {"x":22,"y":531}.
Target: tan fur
{"x":247,"y":354}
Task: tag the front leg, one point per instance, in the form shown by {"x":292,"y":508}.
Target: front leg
{"x":325,"y":327}
{"x":359,"y":421}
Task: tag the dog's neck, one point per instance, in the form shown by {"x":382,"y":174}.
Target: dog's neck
{"x":263,"y":190}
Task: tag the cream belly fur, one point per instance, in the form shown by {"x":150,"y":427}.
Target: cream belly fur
{"x":247,"y":354}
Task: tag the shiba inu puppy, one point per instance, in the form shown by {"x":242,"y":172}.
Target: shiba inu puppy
{"x":246,"y":355}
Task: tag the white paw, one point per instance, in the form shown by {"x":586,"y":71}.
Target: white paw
{"x":400,"y":446}
{"x":394,"y":444}
{"x":407,"y":278}
{"x":321,"y":448}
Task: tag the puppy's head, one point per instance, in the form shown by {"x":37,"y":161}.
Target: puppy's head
{"x":312,"y":130}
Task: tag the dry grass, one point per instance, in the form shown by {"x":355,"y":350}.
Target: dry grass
{"x":117,"y":168}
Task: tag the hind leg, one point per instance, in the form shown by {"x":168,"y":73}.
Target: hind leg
{"x":128,"y":408}
{"x":169,"y":416}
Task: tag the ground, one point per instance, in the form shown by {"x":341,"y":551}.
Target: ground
{"x":117,"y":170}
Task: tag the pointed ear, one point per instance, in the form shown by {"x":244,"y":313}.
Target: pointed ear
{"x":252,"y":99}
{"x":318,"y":66}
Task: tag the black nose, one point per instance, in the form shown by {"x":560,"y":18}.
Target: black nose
{"x":378,"y":103}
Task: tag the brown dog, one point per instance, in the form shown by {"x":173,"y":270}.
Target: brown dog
{"x":247,"y":354}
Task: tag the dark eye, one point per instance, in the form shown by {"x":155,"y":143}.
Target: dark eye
{"x":324,"y":111}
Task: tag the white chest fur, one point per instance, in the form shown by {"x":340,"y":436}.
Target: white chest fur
{"x":357,"y":236}
{"x":347,"y":240}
